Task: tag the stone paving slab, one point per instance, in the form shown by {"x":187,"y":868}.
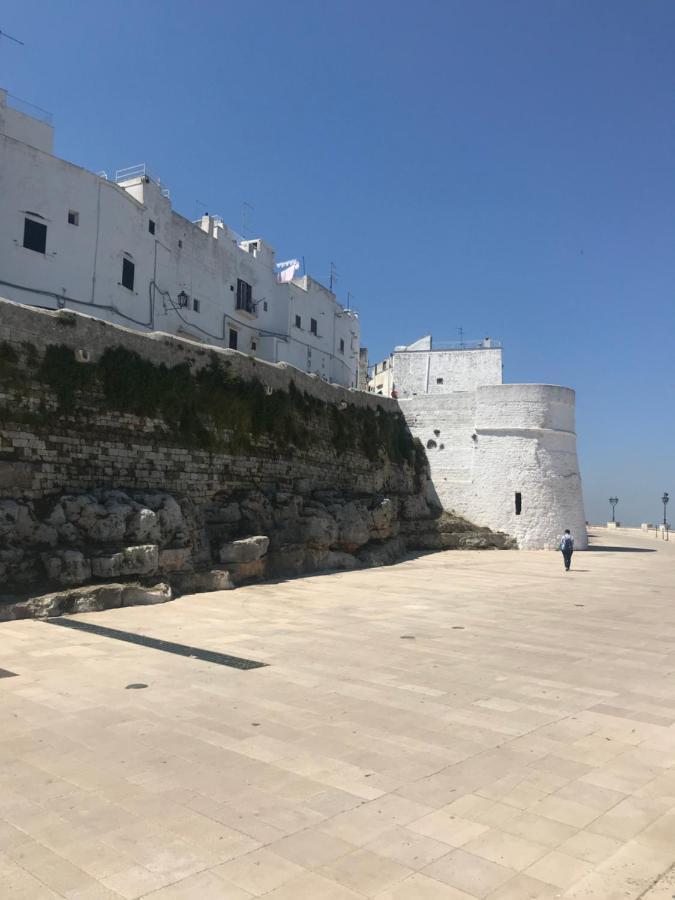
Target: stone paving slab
{"x":462,"y":725}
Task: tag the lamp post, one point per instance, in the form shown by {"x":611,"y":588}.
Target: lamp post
{"x":665,"y":500}
{"x":613,"y":501}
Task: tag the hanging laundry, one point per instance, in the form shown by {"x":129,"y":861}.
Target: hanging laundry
{"x":286,"y":270}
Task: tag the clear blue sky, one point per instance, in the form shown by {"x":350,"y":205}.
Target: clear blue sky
{"x":507,"y":166}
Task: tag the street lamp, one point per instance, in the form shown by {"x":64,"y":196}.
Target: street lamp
{"x":613,"y":501}
{"x":665,"y":500}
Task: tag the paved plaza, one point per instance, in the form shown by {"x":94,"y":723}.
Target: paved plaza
{"x":461,"y":725}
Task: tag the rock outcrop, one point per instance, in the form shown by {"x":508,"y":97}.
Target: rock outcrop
{"x":112,"y":538}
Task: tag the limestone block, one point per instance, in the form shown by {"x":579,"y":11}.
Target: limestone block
{"x":176,"y":559}
{"x":353,"y":524}
{"x":107,"y":529}
{"x":198,"y":582}
{"x":384,"y":553}
{"x":67,"y":567}
{"x":257,"y":512}
{"x":382,"y":518}
{"x":245,"y":550}
{"x":245,"y":572}
{"x":141,"y":560}
{"x":315,"y":531}
{"x":416,"y":507}
{"x":69,"y":534}
{"x":144,"y":526}
{"x":229,"y":514}
{"x":136,"y":595}
{"x":107,"y":566}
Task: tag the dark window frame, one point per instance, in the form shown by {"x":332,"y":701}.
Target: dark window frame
{"x":233,"y":339}
{"x":73,"y":217}
{"x":519,"y":503}
{"x":35,"y":236}
{"x":298,"y":321}
{"x":152,"y":227}
{"x":245,"y":296}
{"x":314,"y":327}
{"x":128,"y":273}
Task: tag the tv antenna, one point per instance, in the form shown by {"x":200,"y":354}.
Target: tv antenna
{"x":461,"y":337}
{"x":246,"y":216}
{"x":3,"y":34}
{"x":333,"y":275}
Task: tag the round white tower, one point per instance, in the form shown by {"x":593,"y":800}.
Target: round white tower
{"x":525,"y":472}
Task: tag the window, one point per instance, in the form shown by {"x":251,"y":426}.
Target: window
{"x":180,"y":244}
{"x":195,"y":304}
{"x":128,"y":271}
{"x":254,"y":345}
{"x":34,"y":236}
{"x":313,"y":326}
{"x":73,"y":217}
{"x":439,"y":381}
{"x":244,"y":296}
{"x":265,"y":305}
{"x":519,"y":502}
{"x":234,"y":335}
{"x":298,"y":322}
{"x":151,"y":227}
{"x":342,"y":345}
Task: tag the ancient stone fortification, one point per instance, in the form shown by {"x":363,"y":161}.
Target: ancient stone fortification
{"x":132,"y":457}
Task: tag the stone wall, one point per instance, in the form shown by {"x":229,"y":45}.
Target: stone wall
{"x":129,"y":456}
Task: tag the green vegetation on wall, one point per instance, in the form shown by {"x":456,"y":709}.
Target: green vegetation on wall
{"x":212,"y":409}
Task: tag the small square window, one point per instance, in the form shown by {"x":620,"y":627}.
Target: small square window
{"x":34,"y":236}
{"x":234,"y":336}
{"x":73,"y":217}
{"x":195,"y":304}
{"x":313,"y":327}
{"x":439,"y":381}
{"x":298,"y":322}
{"x":151,"y":227}
{"x":128,"y":272}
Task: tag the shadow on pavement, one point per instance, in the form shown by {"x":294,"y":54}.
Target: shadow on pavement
{"x":622,"y":549}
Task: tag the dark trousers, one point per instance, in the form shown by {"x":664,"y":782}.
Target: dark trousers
{"x":567,"y":556}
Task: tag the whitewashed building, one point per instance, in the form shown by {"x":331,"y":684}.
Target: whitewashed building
{"x":115,"y":249}
{"x":503,"y":455}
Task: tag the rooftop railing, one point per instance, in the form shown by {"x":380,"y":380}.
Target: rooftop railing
{"x":29,"y":109}
{"x":485,"y":344}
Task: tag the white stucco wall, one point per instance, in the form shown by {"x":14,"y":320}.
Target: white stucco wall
{"x":82,"y":266}
{"x":441,"y":371}
{"x":485,"y":445}
{"x":23,"y":127}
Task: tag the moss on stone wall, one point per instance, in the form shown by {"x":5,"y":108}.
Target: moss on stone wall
{"x":212,"y":409}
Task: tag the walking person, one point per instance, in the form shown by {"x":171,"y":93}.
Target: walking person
{"x":567,"y":548}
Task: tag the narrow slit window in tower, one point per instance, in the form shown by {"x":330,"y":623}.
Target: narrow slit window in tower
{"x":519,"y":502}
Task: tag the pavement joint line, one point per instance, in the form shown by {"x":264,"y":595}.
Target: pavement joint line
{"x":142,"y":640}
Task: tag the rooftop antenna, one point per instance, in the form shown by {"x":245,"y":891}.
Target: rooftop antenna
{"x":350,"y":297}
{"x":333,"y":275}
{"x":246,"y":215}
{"x":3,"y":34}
{"x":461,"y":337}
